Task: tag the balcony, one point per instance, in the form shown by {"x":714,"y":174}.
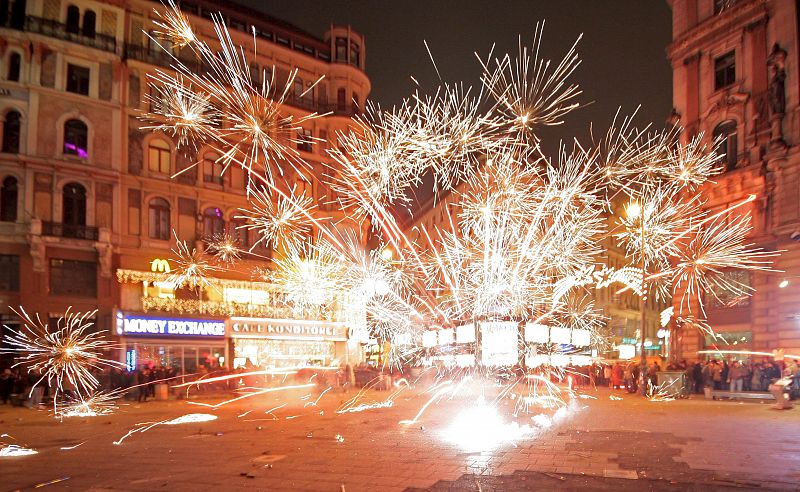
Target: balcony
{"x":162,"y":59}
{"x":54,"y":29}
{"x":70,"y":231}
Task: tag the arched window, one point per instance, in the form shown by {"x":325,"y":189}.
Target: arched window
{"x":726,"y":142}
{"x":14,"y":67}
{"x":8,"y":199}
{"x":89,"y":23}
{"x":237,"y":229}
{"x":213,"y":223}
{"x":73,"y":208}
{"x":11,"y":132}
{"x":76,"y":138}
{"x":159,"y":219}
{"x":213,"y":169}
{"x":73,"y":19}
{"x":159,"y":156}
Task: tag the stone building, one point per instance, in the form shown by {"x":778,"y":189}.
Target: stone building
{"x":90,"y":200}
{"x":735,"y":79}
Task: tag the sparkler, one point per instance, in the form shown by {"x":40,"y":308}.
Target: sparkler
{"x":64,"y":353}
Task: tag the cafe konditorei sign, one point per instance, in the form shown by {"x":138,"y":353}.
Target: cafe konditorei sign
{"x":287,"y":329}
{"x":139,"y":325}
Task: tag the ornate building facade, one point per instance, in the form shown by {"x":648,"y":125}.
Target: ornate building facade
{"x":92,"y":203}
{"x":735,"y":78}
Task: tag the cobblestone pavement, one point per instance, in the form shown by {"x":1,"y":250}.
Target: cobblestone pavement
{"x":627,"y":444}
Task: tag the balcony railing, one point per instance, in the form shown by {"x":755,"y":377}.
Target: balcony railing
{"x":71,"y":231}
{"x":55,"y":29}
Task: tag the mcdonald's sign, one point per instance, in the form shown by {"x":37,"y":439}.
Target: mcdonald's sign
{"x":160,"y":265}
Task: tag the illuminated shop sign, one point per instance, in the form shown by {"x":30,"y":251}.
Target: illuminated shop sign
{"x":169,"y":327}
{"x":287,"y":329}
{"x":160,"y":265}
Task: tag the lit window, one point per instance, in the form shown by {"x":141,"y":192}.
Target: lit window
{"x":76,"y":138}
{"x":213,"y":223}
{"x":159,"y":156}
{"x":341,"y":49}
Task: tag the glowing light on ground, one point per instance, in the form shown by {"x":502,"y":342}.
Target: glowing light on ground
{"x":481,"y":428}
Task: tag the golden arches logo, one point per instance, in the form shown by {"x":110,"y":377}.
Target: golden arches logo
{"x":160,"y":265}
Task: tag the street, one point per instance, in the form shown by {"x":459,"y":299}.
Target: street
{"x":625,"y":443}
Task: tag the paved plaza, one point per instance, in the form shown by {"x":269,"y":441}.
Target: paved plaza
{"x":604,"y":444}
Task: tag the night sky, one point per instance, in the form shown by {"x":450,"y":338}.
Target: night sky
{"x":623,"y":47}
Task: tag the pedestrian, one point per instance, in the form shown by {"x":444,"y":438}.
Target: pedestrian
{"x":735,"y":377}
{"x":755,"y":378}
{"x":716,"y":374}
{"x":6,"y":385}
{"x":141,"y":378}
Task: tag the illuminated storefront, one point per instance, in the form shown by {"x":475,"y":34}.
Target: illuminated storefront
{"x":186,"y":344}
{"x":265,"y":342}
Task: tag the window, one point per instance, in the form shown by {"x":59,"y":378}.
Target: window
{"x":11,"y":132}
{"x":341,"y":49}
{"x":213,"y":169}
{"x":720,"y":5}
{"x":8,"y":199}
{"x":298,"y":87}
{"x":73,"y":19}
{"x":89,"y":23}
{"x":159,"y":219}
{"x":341,"y":99}
{"x":304,"y":139}
{"x":9,"y":273}
{"x":78,"y":79}
{"x":255,"y":75}
{"x":356,"y":104}
{"x":14,"y":67}
{"x":73,"y":202}
{"x":730,"y":290}
{"x":355,"y":54}
{"x":725,"y":70}
{"x":238,"y":231}
{"x":726,"y":144}
{"x":159,"y":156}
{"x":76,"y":138}
{"x":213,"y":223}
{"x":73,"y":278}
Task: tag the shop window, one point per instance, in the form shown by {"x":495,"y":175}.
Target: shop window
{"x":14,"y":67}
{"x":213,"y":169}
{"x":9,"y":273}
{"x":341,"y":49}
{"x":73,"y":202}
{"x":76,"y":138}
{"x":73,"y":19}
{"x":304,"y":140}
{"x":11,"y":132}
{"x":73,"y":278}
{"x":159,"y":219}
{"x":726,"y":144}
{"x":725,"y":70}
{"x":159,"y":156}
{"x":89,"y":24}
{"x":213,"y":222}
{"x":78,"y":79}
{"x":8,"y":199}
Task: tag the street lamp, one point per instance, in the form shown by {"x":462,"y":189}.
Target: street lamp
{"x":635,"y":211}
